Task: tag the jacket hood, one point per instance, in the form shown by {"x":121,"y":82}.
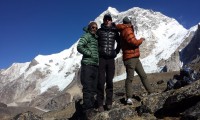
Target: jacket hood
{"x":87,"y":31}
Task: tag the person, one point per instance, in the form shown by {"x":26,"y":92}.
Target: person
{"x":130,"y":50}
{"x":88,"y":47}
{"x":108,"y":36}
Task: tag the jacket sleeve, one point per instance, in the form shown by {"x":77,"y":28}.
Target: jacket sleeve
{"x":119,"y":27}
{"x":82,"y":46}
{"x":132,"y":40}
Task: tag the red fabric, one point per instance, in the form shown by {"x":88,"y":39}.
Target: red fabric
{"x":129,"y":44}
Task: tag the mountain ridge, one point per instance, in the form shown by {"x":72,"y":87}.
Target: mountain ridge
{"x":30,"y":79}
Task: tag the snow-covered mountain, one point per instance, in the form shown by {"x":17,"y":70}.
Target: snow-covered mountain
{"x":23,"y":82}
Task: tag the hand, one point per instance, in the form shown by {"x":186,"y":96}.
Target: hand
{"x":142,"y":39}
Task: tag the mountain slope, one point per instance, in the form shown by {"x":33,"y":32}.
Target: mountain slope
{"x":24,"y":82}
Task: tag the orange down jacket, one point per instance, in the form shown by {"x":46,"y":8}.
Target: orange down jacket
{"x":129,"y":44}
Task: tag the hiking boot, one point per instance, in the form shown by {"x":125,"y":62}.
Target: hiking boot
{"x":129,"y":101}
{"x":108,"y":107}
{"x":100,"y":109}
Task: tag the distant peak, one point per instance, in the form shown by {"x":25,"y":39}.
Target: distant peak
{"x":136,"y":8}
{"x":112,"y":10}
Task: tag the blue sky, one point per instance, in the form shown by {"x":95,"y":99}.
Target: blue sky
{"x":32,"y":27}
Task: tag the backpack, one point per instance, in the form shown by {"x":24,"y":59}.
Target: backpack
{"x":186,"y":77}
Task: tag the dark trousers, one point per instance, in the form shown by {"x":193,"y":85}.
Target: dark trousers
{"x":133,"y":65}
{"x":89,"y":77}
{"x":106,"y":74}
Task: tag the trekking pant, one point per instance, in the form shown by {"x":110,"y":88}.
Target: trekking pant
{"x":106,"y":74}
{"x":89,"y":76}
{"x":132,"y":65}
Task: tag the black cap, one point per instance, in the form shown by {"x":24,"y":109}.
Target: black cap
{"x":126,"y":20}
{"x":107,"y":17}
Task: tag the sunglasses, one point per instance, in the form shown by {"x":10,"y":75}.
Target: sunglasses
{"x":109,"y":19}
{"x":93,"y":27}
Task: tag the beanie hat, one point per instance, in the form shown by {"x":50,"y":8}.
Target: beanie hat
{"x":107,"y":16}
{"x":126,"y":20}
{"x":91,"y":24}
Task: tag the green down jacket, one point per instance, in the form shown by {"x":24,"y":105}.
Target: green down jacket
{"x":88,"y":47}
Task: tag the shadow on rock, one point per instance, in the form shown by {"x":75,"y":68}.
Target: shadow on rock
{"x":174,"y":108}
{"x":143,"y":109}
{"x":78,"y":115}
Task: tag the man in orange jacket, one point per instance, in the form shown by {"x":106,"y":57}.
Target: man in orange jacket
{"x":130,"y":48}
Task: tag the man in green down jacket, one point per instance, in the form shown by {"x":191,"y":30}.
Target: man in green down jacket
{"x":88,"y":47}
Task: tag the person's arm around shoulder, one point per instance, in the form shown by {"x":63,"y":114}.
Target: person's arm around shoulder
{"x":119,"y":27}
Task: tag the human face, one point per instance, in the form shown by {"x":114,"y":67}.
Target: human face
{"x":93,"y":29}
{"x":107,"y":21}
